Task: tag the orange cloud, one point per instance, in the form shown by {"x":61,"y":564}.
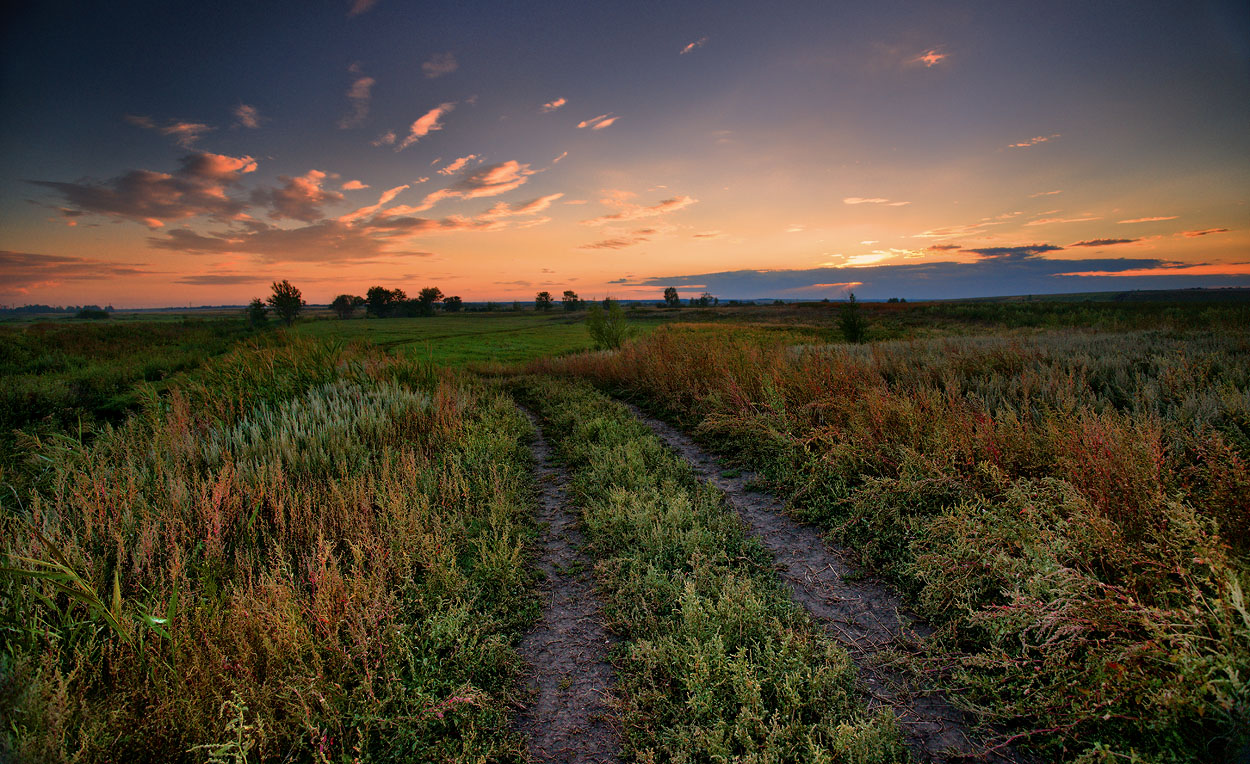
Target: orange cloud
{"x":551,"y":106}
{"x":532,"y":207}
{"x":360,"y":6}
{"x":875,"y":200}
{"x":426,"y":124}
{"x":599,"y":122}
{"x":630,"y":211}
{"x":353,"y":185}
{"x":699,"y":43}
{"x":185,"y":134}
{"x":300,"y":198}
{"x":1150,"y":220}
{"x":22,"y":271}
{"x":457,"y":165}
{"x":1201,"y":269}
{"x":365,"y":212}
{"x":1205,"y":232}
{"x":199,"y":187}
{"x":929,"y":58}
{"x":1048,"y":221}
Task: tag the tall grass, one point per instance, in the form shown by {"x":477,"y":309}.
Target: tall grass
{"x":311,"y":553}
{"x":716,"y":663}
{"x":1071,"y":509}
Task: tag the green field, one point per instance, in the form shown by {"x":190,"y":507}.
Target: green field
{"x":319,"y":544}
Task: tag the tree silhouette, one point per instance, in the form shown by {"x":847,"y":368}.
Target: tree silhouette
{"x":542,"y":301}
{"x":571,"y":301}
{"x":851,"y":322}
{"x":671,"y":298}
{"x":286,"y":300}
{"x":452,"y":304}
{"x":345,"y":305}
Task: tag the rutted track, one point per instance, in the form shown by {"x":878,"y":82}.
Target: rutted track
{"x":568,"y":717}
{"x":865,"y":616}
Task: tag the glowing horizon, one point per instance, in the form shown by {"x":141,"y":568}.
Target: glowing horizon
{"x":176,"y":157}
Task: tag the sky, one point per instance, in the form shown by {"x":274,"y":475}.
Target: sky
{"x":165,"y":154}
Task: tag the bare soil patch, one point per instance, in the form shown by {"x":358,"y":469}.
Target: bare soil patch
{"x":568,"y":719}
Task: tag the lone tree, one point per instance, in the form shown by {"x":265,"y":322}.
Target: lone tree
{"x":427,"y":298}
{"x":542,"y":301}
{"x":286,"y":300}
{"x":705,"y":300}
{"x":607,"y":325}
{"x":257,"y":313}
{"x":345,"y":305}
{"x":671,"y":298}
{"x":570,"y":301}
{"x":851,"y":322}
{"x":452,"y":304}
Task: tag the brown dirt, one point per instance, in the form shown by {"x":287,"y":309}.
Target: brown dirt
{"x":568,"y":718}
{"x":863,"y":614}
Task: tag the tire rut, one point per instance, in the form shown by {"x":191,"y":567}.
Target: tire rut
{"x":863,"y":615}
{"x":568,"y":719}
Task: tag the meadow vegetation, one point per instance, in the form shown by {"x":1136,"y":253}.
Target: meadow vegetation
{"x":715,"y":662}
{"x":1070,"y":509}
{"x":227,"y":544}
{"x":303,"y":551}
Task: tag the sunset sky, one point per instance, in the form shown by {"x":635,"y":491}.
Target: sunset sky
{"x":158,"y":154}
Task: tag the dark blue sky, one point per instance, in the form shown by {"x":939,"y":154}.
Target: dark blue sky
{"x":733,"y":138}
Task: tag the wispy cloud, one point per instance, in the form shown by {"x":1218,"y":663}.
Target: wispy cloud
{"x":198,"y":187}
{"x":621,"y":242}
{"x":457,"y":165}
{"x":364,"y":212}
{"x":247,"y":116}
{"x":489,"y":180}
{"x":1021,"y":252}
{"x":707,"y":235}
{"x":531,"y":207}
{"x":353,"y":185}
{"x":426,"y":124}
{"x":357,"y":7}
{"x":184,"y":133}
{"x":1150,"y":220}
{"x":929,"y":58}
{"x":1048,"y":221}
{"x":630,"y":211}
{"x":562,"y":156}
{"x":23,"y":271}
{"x":599,"y":122}
{"x":1102,"y":242}
{"x":1045,"y":193}
{"x":551,"y":106}
{"x":299,"y":198}
{"x":699,"y":43}
{"x":358,"y":95}
{"x":385,"y":139}
{"x":1033,"y":141}
{"x":323,"y":241}
{"x":1204,"y":232}
{"x":439,"y":65}
{"x":874,"y":200}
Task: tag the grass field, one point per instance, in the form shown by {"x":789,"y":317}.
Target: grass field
{"x":318,"y":544}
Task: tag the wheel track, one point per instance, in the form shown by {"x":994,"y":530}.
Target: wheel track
{"x":865,"y":616}
{"x":568,"y":719}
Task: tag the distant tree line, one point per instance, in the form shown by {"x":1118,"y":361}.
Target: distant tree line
{"x":24,"y":309}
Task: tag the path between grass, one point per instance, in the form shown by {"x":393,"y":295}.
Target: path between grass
{"x":567,"y":719}
{"x":863,"y":615}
